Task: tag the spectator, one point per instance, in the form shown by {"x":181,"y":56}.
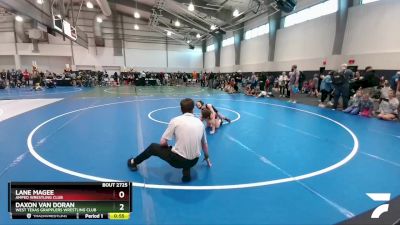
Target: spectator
{"x":358,"y":76}
{"x":388,"y":108}
{"x":115,"y":77}
{"x":370,"y":79}
{"x":3,"y":84}
{"x":282,"y":84}
{"x":166,"y":79}
{"x":26,"y":76}
{"x":308,"y":87}
{"x":229,"y":88}
{"x":195,"y":76}
{"x":185,"y":79}
{"x":255,"y":91}
{"x":268,"y":84}
{"x":385,"y":90}
{"x":253,"y":80}
{"x":8,"y":75}
{"x":394,"y":81}
{"x":326,"y":89}
{"x":315,"y":90}
{"x":271,"y":86}
{"x":340,"y":83}
{"x":366,"y":105}
{"x":3,"y":75}
{"x":354,"y":103}
{"x":211,"y":80}
{"x":202,"y":80}
{"x":398,"y":88}
{"x":302,"y":78}
{"x":35,"y":77}
{"x":294,"y":83}
{"x":381,"y":82}
{"x":247,"y":90}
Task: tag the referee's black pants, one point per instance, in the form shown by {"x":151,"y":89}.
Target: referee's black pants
{"x":165,"y":153}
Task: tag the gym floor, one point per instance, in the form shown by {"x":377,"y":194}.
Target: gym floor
{"x":276,"y":163}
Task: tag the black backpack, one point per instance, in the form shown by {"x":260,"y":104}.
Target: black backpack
{"x":338,"y":79}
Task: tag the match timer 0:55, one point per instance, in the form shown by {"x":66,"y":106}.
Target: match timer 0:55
{"x":118,"y":216}
{"x":83,"y":200}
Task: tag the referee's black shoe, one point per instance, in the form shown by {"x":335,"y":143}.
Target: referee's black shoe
{"x":132,"y":165}
{"x":186,"y":175}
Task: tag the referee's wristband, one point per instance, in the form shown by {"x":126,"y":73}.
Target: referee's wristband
{"x":206,"y":157}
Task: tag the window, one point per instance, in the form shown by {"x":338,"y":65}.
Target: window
{"x":368,"y":1}
{"x":210,"y":48}
{"x":322,"y":9}
{"x":228,"y":41}
{"x":258,"y":31}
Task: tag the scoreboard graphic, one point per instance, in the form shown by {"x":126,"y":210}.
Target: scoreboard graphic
{"x":82,"y":200}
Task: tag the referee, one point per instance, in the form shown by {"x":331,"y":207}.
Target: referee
{"x":189,"y":133}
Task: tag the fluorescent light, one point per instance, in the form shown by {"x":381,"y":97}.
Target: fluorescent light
{"x":169,"y":33}
{"x":177,"y":23}
{"x":191,"y":6}
{"x":99,"y":19}
{"x":198,"y":36}
{"x":40,"y":1}
{"x":188,"y":41}
{"x":368,"y":1}
{"x":19,"y":18}
{"x":213,"y":27}
{"x":136,"y":15}
{"x":89,"y":5}
{"x":136,"y":27}
{"x":236,"y":13}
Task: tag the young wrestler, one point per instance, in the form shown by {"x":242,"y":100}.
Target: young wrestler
{"x":214,"y":112}
{"x":213,"y":123}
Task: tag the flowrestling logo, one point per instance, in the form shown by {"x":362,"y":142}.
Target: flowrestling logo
{"x":379,"y":197}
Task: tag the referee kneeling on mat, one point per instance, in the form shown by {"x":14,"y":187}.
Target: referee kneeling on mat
{"x":189,"y":133}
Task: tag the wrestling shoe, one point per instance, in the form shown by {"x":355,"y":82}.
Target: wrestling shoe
{"x":132,"y":165}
